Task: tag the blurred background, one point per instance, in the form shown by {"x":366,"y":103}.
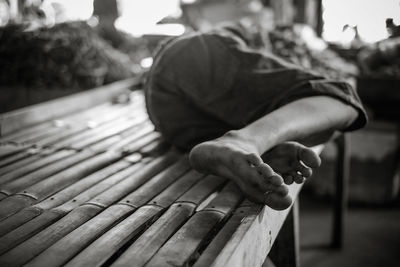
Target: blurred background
{"x":54,"y":48}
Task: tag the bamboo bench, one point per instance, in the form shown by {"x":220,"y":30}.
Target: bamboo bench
{"x":86,"y":181}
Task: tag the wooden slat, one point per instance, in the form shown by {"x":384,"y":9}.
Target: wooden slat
{"x":117,"y":128}
{"x":227,"y":199}
{"x":175,"y":190}
{"x":178,"y":250}
{"x":74,"y":130}
{"x":29,"y":229}
{"x":18,"y":156}
{"x":208,"y":256}
{"x":12,"y":204}
{"x":21,"y":134}
{"x":150,"y":242}
{"x":104,"y":247}
{"x":99,"y":251}
{"x":7,"y":148}
{"x":68,"y":193}
{"x":253,"y":239}
{"x":56,"y":182}
{"x":153,"y":239}
{"x":81,"y":214}
{"x":40,"y":174}
{"x":97,"y":133}
{"x":85,"y":234}
{"x":87,"y":118}
{"x":38,"y":223}
{"x":127,"y":177}
{"x":64,"y":249}
{"x":15,"y":120}
{"x":33,"y":246}
{"x":23,"y":167}
{"x":21,"y":217}
{"x":143,"y":135}
{"x":152,"y":187}
{"x":124,"y":224}
{"x":181,"y":249}
{"x":205,"y":187}
{"x":50,"y":131}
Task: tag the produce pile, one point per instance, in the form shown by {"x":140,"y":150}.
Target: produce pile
{"x":382,"y":59}
{"x":289,"y":43}
{"x":67,"y":55}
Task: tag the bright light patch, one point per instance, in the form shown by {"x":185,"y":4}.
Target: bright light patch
{"x":188,"y":1}
{"x":369,"y":16}
{"x":74,"y":9}
{"x":139,"y":30}
{"x":140,"y":17}
{"x":146,"y":62}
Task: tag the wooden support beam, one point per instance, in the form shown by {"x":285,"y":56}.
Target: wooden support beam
{"x":341,"y":190}
{"x":286,"y":249}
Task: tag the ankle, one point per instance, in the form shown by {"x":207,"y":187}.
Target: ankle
{"x":237,"y":135}
{"x":240,"y":137}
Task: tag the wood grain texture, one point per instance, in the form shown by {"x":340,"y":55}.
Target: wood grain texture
{"x":202,"y":189}
{"x":68,"y":193}
{"x":31,"y":164}
{"x":15,"y":157}
{"x":120,"y":190}
{"x":47,"y":171}
{"x":15,"y":120}
{"x":143,"y":249}
{"x":286,"y":249}
{"x":13,"y":204}
{"x":178,"y":188}
{"x":226,"y":200}
{"x":252,"y":240}
{"x":21,"y":217}
{"x":97,"y":253}
{"x":29,"y":229}
{"x":208,"y":256}
{"x":157,"y":184}
{"x":102,"y":190}
{"x":27,"y":250}
{"x":38,"y":223}
{"x":183,"y":245}
{"x":68,"y":246}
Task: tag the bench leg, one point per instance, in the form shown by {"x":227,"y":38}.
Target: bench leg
{"x":286,"y":249}
{"x":341,"y":190}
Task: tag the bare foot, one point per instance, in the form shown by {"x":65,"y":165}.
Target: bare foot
{"x":293,"y":161}
{"x":238,"y":160}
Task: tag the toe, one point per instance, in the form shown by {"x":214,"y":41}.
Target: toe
{"x":282,"y":190}
{"x":278,"y":202}
{"x":253,"y":159}
{"x":269,"y":175}
{"x":309,"y":157}
{"x":253,"y":194}
{"x":298,"y":177}
{"x":304,"y":170}
{"x":288,"y":179}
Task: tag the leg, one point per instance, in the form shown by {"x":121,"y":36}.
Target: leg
{"x":237,"y":154}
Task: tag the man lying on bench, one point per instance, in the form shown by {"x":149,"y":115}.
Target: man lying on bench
{"x":244,"y":113}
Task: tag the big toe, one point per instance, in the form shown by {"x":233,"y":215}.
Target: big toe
{"x":309,"y":157}
{"x":278,"y":202}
